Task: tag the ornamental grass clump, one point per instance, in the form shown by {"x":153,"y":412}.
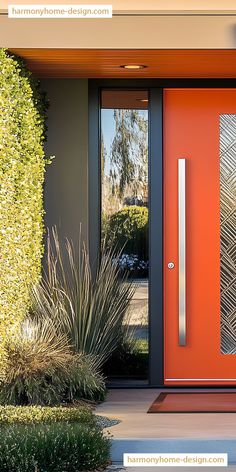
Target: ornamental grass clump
{"x":22,"y":167}
{"x":90,"y":309}
{"x":41,"y":369}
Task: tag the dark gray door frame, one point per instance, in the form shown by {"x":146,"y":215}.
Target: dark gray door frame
{"x":155,"y":205}
{"x":155,"y":88}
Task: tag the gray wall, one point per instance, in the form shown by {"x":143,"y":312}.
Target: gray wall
{"x":66,"y":189}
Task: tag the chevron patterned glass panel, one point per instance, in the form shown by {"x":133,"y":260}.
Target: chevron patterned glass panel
{"x":228,"y":232}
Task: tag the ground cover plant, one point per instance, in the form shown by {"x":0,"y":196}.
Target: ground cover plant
{"x":43,"y":439}
{"x":37,"y":414}
{"x":56,"y":447}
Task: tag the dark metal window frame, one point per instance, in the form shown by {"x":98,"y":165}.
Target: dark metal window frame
{"x":155,"y":88}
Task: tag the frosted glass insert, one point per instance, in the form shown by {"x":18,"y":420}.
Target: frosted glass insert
{"x":228,"y":232}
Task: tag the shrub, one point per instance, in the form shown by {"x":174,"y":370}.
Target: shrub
{"x":41,"y":368}
{"x":128,"y":229}
{"x":22,"y":167}
{"x":39,"y":414}
{"x":89,"y":310}
{"x":58,"y":447}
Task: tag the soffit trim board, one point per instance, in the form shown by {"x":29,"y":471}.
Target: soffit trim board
{"x":147,"y":13}
{"x":174,"y":13}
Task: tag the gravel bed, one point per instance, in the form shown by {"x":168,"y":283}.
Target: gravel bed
{"x":115,"y":468}
{"x":104,"y":422}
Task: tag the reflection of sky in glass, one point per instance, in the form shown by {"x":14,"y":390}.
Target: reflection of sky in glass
{"x":109,"y":129}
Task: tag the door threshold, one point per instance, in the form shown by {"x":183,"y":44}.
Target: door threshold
{"x":145,"y":385}
{"x":127,"y":383}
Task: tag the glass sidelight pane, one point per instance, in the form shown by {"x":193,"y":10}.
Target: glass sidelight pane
{"x":228,"y":232}
{"x":124,"y":203}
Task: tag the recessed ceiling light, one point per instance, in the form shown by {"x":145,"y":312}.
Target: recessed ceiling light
{"x":133,"y":66}
{"x":142,"y":99}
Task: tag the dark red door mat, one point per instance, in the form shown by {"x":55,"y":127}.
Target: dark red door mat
{"x":194,"y":402}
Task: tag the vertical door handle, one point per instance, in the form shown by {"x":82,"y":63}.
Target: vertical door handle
{"x":182,"y":249}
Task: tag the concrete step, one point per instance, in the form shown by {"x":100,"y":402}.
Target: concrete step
{"x":119,"y":468}
{"x":172,"y":445}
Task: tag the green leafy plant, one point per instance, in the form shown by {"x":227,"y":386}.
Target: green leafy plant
{"x":22,"y":166}
{"x":127,"y":230}
{"x":67,"y":447}
{"x":42,"y":414}
{"x":89,"y":310}
{"x":41,"y":368}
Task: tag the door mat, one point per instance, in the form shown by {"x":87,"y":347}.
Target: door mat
{"x":194,"y":402}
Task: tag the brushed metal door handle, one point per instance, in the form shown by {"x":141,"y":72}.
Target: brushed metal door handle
{"x":182,"y":249}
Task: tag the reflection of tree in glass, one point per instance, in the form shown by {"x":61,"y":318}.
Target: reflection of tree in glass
{"x":129,"y":154}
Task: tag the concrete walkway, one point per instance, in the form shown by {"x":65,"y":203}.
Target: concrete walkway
{"x":142,"y":432}
{"x":138,"y":313}
{"x":131,"y":405}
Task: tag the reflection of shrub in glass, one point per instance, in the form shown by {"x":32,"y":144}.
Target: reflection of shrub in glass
{"x":128,"y":229}
{"x":138,"y":201}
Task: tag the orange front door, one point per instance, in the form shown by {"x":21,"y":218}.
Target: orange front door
{"x":200,"y":236}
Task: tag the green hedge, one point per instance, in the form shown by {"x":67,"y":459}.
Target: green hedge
{"x":22,"y":167}
{"x":58,"y":447}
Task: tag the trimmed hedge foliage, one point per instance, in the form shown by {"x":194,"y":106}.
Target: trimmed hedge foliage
{"x":22,"y":167}
{"x":38,"y":414}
